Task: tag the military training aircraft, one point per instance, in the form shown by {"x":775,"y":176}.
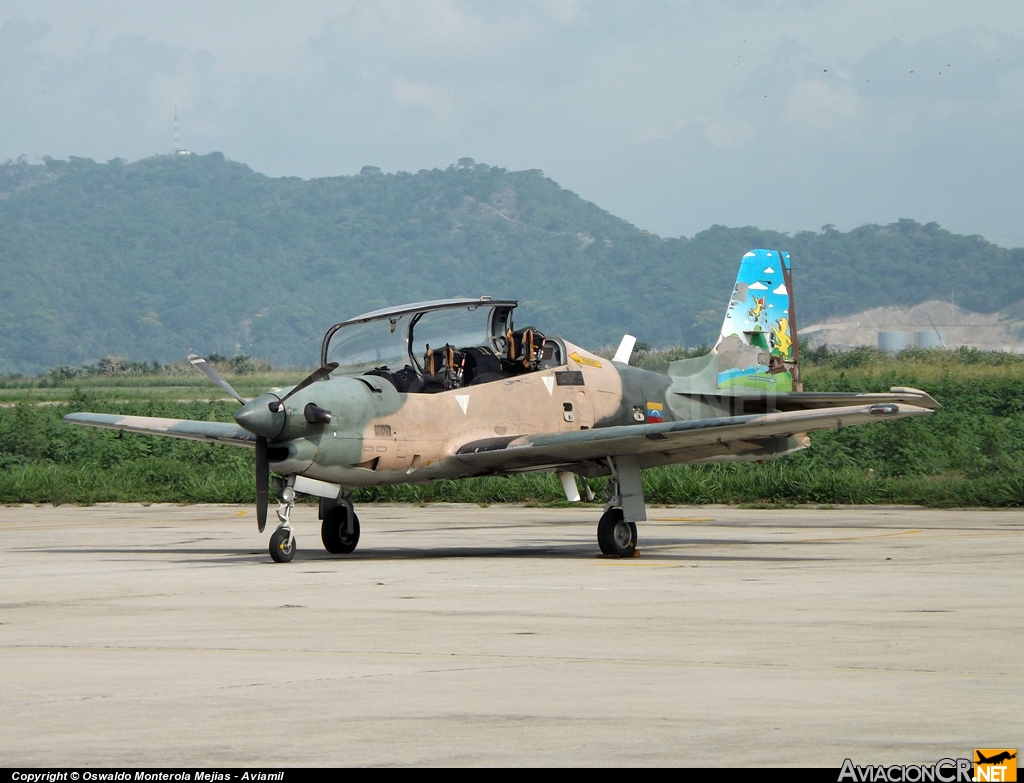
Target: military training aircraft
{"x":452,"y":388}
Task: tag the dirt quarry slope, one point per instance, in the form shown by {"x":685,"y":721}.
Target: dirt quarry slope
{"x":999,"y":331}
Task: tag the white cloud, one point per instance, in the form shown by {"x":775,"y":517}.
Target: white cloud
{"x":822,"y":105}
{"x":421,"y":94}
{"x":729,"y":134}
{"x":675,"y":116}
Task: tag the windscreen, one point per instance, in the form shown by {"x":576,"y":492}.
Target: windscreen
{"x":359,"y":348}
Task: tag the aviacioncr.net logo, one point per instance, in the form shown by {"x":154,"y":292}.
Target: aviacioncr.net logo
{"x":942,"y":771}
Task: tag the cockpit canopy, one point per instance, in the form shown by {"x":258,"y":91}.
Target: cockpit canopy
{"x":439,"y":345}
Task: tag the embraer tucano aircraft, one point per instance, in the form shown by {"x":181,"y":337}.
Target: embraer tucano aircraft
{"x":453,"y":388}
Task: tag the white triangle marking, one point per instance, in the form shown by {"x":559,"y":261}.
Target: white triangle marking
{"x":463,"y":401}
{"x":549,"y":382}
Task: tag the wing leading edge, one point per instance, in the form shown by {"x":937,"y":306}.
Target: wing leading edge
{"x":208,"y":431}
{"x":524,"y":453}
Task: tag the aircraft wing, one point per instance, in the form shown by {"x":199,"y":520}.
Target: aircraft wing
{"x":687,"y":441}
{"x":209,"y":431}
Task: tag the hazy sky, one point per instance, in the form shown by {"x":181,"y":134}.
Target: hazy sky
{"x":673,"y":115}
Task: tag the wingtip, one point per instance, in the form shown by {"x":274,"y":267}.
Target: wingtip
{"x":927,"y":400}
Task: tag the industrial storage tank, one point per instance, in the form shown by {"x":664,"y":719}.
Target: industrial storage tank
{"x":931,"y":339}
{"x":894,"y":342}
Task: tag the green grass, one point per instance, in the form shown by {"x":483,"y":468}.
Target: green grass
{"x":161,"y":480}
{"x":179,"y":386}
{"x":145,"y":480}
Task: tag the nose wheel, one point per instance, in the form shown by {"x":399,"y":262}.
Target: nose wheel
{"x":282,"y":542}
{"x":282,"y":545}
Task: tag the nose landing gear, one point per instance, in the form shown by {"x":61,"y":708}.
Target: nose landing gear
{"x":282,"y":542}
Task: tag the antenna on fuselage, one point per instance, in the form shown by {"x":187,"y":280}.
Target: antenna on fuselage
{"x":625,"y":349}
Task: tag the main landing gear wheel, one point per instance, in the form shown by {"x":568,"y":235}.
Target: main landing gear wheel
{"x":337,"y":540}
{"x":615,"y":535}
{"x":282,"y":545}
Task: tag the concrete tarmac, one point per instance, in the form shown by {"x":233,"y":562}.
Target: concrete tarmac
{"x":460,"y":635}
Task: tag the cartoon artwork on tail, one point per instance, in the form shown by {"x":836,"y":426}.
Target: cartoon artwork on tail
{"x":757,"y":347}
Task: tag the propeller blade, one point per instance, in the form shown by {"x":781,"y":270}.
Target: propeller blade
{"x":203,"y":366}
{"x":317,"y":375}
{"x":262,"y":482}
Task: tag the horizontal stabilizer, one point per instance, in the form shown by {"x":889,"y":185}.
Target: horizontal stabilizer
{"x":740,"y":400}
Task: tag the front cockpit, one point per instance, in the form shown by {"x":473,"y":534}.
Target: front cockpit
{"x":436,"y":346}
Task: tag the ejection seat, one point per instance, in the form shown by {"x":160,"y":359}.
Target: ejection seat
{"x":522,"y":350}
{"x":441,"y":369}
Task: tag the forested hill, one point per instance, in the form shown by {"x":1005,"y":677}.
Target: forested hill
{"x":171,"y":254}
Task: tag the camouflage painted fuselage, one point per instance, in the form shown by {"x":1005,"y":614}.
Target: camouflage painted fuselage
{"x":380,"y":436}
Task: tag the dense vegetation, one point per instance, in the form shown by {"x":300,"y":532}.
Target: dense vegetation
{"x":969,"y":453}
{"x":170,"y":254}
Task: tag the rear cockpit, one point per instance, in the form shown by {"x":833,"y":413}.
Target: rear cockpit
{"x":441,"y":345}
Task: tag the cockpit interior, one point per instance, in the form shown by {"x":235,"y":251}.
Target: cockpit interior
{"x":437,"y":346}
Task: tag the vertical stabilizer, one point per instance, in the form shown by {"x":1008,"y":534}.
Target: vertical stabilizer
{"x":757,"y":347}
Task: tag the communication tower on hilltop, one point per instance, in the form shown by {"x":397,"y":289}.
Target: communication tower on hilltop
{"x":177,"y":133}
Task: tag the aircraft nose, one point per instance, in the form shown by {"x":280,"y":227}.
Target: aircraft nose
{"x":256,"y":417}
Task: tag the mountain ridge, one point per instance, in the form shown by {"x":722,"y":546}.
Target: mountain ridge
{"x":176,"y":253}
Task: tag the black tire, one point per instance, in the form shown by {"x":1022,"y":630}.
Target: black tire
{"x":280,"y":550}
{"x":329,"y":529}
{"x":615,"y":535}
{"x":336,"y":540}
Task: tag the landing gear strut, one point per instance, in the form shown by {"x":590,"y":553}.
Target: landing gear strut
{"x":616,"y":532}
{"x":282,"y":542}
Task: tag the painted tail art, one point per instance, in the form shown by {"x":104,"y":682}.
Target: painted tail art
{"x":757,"y":347}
